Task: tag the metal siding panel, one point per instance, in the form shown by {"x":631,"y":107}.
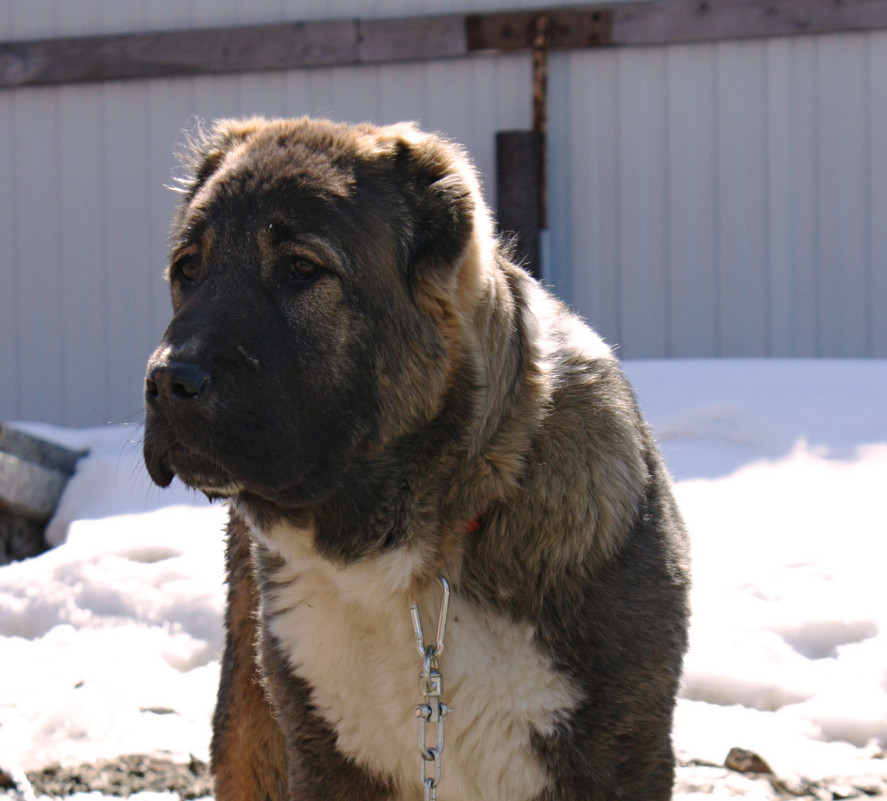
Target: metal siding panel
{"x":168,"y":107}
{"x":780,"y":89}
{"x":357,"y":96}
{"x":160,"y":14}
{"x":28,"y":20}
{"x":81,"y":239}
{"x":604,"y":207}
{"x":563,"y":162}
{"x":843,"y":163}
{"x":116,"y":16}
{"x":692,"y":164}
{"x":792,"y":147}
{"x":125,"y":192}
{"x":592,"y":171}
{"x":787,"y":200}
{"x":10,"y":261}
{"x":296,"y":87}
{"x":643,"y":242}
{"x":485,"y":85}
{"x":260,"y":95}
{"x":499,"y":99}
{"x":67,"y":19}
{"x":742,"y":207}
{"x":36,"y":214}
{"x":447,"y":92}
{"x":877,"y":211}
{"x":402,"y":93}
{"x":804,"y":211}
{"x":514,"y":88}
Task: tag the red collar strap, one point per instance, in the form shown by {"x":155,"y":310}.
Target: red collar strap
{"x":472,"y":525}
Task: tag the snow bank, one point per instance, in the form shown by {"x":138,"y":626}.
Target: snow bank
{"x":111,"y":641}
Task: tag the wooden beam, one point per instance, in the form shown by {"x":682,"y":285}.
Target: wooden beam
{"x":674,"y":21}
{"x":283,"y":46}
{"x":515,"y":31}
{"x":324,"y":43}
{"x":177,"y":53}
{"x":412,"y":39}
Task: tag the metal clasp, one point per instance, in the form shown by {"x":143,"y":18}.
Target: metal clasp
{"x":441,"y":621}
{"x":434,"y":710}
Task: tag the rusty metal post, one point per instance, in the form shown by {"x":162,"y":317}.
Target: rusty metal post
{"x":541,"y":48}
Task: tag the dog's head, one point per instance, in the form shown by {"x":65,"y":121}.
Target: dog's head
{"x":319,"y":277}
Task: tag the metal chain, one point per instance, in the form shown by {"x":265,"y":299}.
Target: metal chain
{"x":433,"y":711}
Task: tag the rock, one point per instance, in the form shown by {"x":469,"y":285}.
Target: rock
{"x":844,"y":791}
{"x":20,"y":537}
{"x":696,"y":781}
{"x":33,"y":474}
{"x":743,"y":761}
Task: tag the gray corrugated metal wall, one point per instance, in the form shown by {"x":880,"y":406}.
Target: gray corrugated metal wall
{"x":725,"y":199}
{"x":712,"y":199}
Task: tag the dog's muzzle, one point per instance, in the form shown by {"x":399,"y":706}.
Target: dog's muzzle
{"x":178,"y":400}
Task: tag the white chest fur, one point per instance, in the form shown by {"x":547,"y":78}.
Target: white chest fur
{"x":348,"y":632}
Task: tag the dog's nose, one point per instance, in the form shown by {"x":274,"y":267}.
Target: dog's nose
{"x":175,"y":381}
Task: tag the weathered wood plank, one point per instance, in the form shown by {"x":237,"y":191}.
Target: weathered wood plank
{"x":513,"y":31}
{"x":411,"y":39}
{"x":171,"y":53}
{"x":672,"y":21}
{"x":298,"y":45}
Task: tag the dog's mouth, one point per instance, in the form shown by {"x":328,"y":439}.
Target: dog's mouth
{"x":193,"y":468}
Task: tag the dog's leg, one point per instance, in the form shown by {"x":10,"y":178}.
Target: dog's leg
{"x":248,"y":759}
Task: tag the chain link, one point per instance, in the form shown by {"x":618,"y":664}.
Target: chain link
{"x":433,"y":711}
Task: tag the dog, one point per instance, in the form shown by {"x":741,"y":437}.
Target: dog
{"x":397,"y":414}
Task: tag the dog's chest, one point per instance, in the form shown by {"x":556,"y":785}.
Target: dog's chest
{"x":348,"y":633}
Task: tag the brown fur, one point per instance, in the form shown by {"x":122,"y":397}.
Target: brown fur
{"x":357,"y":365}
{"x":247,"y":751}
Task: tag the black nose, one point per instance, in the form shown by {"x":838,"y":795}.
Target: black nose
{"x":176,"y":381}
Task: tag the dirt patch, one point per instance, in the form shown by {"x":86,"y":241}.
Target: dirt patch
{"x":746,"y":775}
{"x":124,"y":776}
{"x":130,"y":774}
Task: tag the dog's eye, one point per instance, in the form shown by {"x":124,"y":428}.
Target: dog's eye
{"x":186,"y":268}
{"x":300,"y":268}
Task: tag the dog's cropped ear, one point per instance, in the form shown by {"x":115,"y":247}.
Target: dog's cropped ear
{"x":442,"y":189}
{"x":206,"y":149}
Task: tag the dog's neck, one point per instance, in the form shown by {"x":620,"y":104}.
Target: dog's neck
{"x":431,"y":483}
{"x":428,"y":486}
{"x":508,"y":401}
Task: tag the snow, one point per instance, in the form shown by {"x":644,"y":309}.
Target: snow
{"x":110,"y":642}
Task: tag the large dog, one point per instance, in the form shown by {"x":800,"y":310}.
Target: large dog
{"x":385,"y":399}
